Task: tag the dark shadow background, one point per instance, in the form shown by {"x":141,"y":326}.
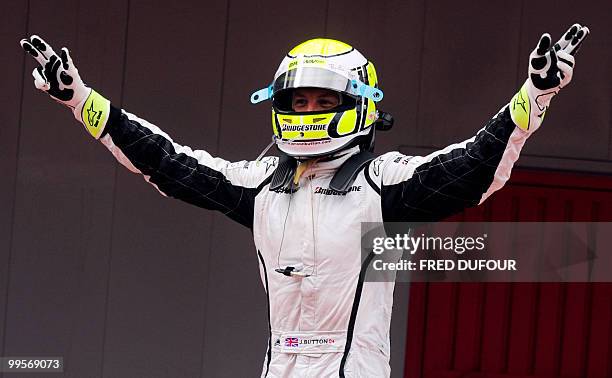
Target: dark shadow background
{"x":96,"y":267}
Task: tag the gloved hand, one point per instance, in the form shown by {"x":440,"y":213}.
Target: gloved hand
{"x":59,"y":78}
{"x":550,"y":69}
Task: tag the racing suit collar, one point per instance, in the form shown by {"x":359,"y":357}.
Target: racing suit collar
{"x":328,"y":164}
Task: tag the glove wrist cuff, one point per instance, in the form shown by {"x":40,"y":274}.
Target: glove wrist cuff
{"x":93,"y":113}
{"x":528,"y":107}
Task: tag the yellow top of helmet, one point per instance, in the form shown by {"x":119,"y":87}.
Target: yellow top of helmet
{"x":322,"y":47}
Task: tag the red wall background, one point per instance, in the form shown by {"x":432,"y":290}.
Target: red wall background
{"x":478,"y":330}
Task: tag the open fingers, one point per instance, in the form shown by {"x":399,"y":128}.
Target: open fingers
{"x":33,"y":51}
{"x":42,"y":46}
{"x":67,"y":63}
{"x":38,"y":48}
{"x":574,"y":45}
{"x":567,"y":37}
{"x":64,"y":55}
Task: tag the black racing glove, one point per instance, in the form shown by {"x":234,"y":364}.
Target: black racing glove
{"x":59,"y":78}
{"x":551,"y":68}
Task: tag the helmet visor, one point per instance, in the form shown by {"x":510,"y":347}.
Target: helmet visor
{"x":313,"y":77}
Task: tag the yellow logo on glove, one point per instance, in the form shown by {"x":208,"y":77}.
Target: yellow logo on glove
{"x":520,"y":109}
{"x":95,"y":113}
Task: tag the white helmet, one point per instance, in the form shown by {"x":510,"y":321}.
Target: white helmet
{"x":332,"y":65}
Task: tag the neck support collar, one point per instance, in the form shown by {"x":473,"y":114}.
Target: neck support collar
{"x":341,"y":182}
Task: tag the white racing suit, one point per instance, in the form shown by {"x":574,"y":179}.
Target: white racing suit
{"x":331,"y":323}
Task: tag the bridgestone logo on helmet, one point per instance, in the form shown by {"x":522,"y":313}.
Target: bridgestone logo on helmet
{"x":303,"y":127}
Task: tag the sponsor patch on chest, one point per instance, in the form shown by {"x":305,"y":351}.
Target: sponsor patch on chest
{"x":331,"y":192}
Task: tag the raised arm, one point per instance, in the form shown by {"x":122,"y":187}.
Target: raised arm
{"x":174,"y":170}
{"x":461,"y":175}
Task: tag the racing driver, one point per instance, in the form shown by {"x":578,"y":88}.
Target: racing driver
{"x":305,"y":207}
